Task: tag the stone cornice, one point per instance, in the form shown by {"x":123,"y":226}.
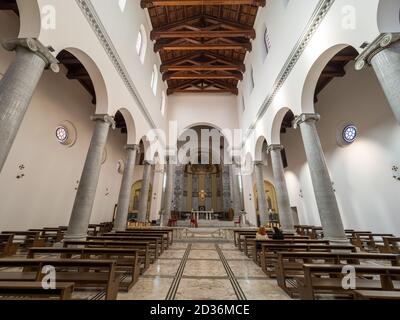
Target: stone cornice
{"x":94,"y":21}
{"x":36,"y":47}
{"x":316,"y":19}
{"x":382,"y":42}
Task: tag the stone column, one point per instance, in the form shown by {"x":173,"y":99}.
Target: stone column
{"x":144,"y":193}
{"x":237,"y":203}
{"x":124,"y":198}
{"x":169,"y":192}
{"x":84,"y":200}
{"x":18,"y":85}
{"x":282,"y":194}
{"x":322,"y":183}
{"x":262,"y":201}
{"x":384,"y":56}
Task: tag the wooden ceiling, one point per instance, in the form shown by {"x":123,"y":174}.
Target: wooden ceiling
{"x":202,"y":43}
{"x":335,"y":68}
{"x":9,"y":5}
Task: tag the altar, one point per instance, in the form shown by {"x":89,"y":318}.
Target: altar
{"x":204,"y":215}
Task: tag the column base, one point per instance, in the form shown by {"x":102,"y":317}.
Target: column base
{"x":338,"y":241}
{"x":75,"y":237}
{"x":118,"y":229}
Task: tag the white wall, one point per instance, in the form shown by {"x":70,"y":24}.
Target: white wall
{"x":217,"y":110}
{"x":45,"y":196}
{"x":366,"y":191}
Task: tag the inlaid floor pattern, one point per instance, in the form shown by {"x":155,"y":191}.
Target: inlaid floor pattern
{"x":212,"y":270}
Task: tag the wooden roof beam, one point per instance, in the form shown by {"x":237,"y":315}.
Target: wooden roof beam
{"x":157,"y":35}
{"x":190,"y":47}
{"x":234,"y":91}
{"x":188,"y":76}
{"x":168,"y":3}
{"x":204,"y":67}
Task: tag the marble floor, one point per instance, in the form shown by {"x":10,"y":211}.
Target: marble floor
{"x":210,"y":269}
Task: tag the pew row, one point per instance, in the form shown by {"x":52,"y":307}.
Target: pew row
{"x":290,"y":264}
{"x":87,"y":274}
{"x":323,"y":279}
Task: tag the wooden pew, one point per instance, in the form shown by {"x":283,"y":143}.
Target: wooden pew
{"x":168,"y":232}
{"x":7,"y":246}
{"x":83,"y":273}
{"x":250,"y":243}
{"x":144,"y":248}
{"x":11,"y":290}
{"x":155,"y":242}
{"x":390,"y":245}
{"x":26,"y":239}
{"x":369,"y":241}
{"x":162,"y":236}
{"x":238,"y":232}
{"x":376,"y":295}
{"x":270,"y":252}
{"x":290,"y":264}
{"x":313,"y":232}
{"x":127,"y":259}
{"x":105,"y":227}
{"x":50,"y":235}
{"x":327,"y":279}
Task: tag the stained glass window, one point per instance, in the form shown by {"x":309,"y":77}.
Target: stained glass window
{"x":62,"y":134}
{"x":350,"y":134}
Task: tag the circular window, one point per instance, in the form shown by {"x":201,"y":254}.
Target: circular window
{"x":349,"y":133}
{"x":62,"y":134}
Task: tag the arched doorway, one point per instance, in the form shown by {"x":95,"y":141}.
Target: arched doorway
{"x":134,"y":203}
{"x":270,"y":196}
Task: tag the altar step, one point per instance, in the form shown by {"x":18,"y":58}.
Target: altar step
{"x":208,"y":224}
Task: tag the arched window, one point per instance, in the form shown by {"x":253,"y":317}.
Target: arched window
{"x":141,"y":44}
{"x":122,"y":5}
{"x":163,"y":102}
{"x":154,"y":80}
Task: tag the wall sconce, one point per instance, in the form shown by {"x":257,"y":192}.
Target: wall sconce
{"x":396,"y":173}
{"x":21,"y":175}
{"x":107,"y":192}
{"x":301,"y":194}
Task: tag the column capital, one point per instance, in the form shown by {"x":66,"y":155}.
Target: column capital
{"x":36,"y":47}
{"x":134,"y":147}
{"x":274,"y":147}
{"x":382,"y":42}
{"x":105,"y":118}
{"x":259,"y":163}
{"x":306,"y":117}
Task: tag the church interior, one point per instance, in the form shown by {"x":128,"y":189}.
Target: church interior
{"x":199,"y":150}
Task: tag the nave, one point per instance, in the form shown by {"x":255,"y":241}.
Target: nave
{"x":152,"y":263}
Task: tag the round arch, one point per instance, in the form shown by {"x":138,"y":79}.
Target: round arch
{"x":277,"y":124}
{"x":99,"y":84}
{"x":307,"y":98}
{"x":130,"y":125}
{"x":258,"y":148}
{"x":207,"y":124}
